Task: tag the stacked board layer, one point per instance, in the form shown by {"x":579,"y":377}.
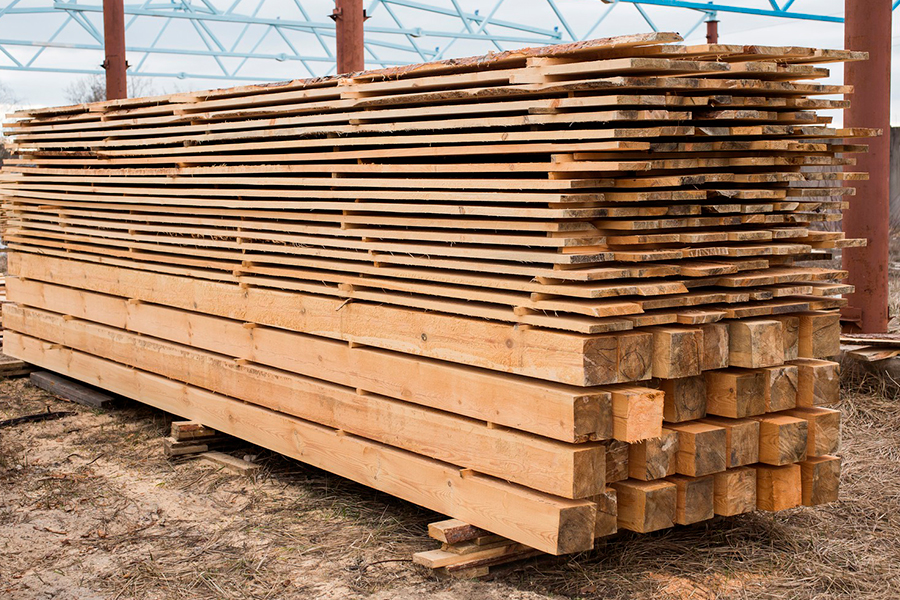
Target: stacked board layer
{"x":550,"y":292}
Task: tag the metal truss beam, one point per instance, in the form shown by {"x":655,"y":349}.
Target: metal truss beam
{"x":782,"y":11}
{"x":236,"y":39}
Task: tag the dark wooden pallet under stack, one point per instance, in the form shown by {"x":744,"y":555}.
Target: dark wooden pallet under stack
{"x":550,"y":293}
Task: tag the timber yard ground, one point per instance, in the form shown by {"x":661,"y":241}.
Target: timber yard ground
{"x":91,"y":509}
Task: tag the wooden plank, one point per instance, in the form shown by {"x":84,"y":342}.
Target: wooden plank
{"x":735,"y":491}
{"x":820,"y":476}
{"x":645,"y":506}
{"x":778,"y":487}
{"x":567,"y":470}
{"x":173,"y":447}
{"x":12,"y":367}
{"x":230,"y":463}
{"x":823,"y":429}
{"x":434,"y":559}
{"x":578,"y":360}
{"x":454,"y":531}
{"x":542,"y":521}
{"x":515,"y":402}
{"x":702,"y":448}
{"x":735,"y":393}
{"x":70,"y":390}
{"x":187,"y":430}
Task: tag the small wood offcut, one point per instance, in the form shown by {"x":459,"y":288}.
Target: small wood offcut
{"x":550,"y":293}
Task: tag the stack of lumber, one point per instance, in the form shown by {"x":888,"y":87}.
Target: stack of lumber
{"x":871,"y":347}
{"x":3,"y":302}
{"x":550,"y":293}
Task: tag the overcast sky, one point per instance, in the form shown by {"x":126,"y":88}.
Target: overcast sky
{"x":41,"y":88}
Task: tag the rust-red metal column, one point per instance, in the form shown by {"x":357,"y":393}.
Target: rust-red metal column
{"x":114,"y":44}
{"x":867,"y":27}
{"x":712,"y":31}
{"x":348,"y":18}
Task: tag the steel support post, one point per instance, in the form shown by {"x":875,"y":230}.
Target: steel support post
{"x":712,"y":31}
{"x":114,"y":45}
{"x":348,"y":17}
{"x":867,"y":27}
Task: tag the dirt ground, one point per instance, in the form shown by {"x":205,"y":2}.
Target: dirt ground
{"x":91,"y":509}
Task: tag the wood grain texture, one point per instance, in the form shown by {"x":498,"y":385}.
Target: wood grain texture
{"x":823,"y":429}
{"x":694,"y":498}
{"x":645,"y":506}
{"x":735,"y":491}
{"x":685,"y":398}
{"x":741,"y":440}
{"x":653,"y":458}
{"x":778,"y":487}
{"x":735,"y":393}
{"x":755,"y":343}
{"x":818,"y":382}
{"x":542,"y":521}
{"x":821,"y":476}
{"x":701,"y":448}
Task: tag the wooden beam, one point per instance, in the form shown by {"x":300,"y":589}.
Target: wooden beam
{"x":685,"y":398}
{"x":735,"y":393}
{"x":781,"y":387}
{"x":782,"y":439}
{"x":637,"y":413}
{"x":701,"y":448}
{"x":823,"y":429}
{"x":676,"y":351}
{"x":645,"y":506}
{"x":568,"y":470}
{"x":560,"y":412}
{"x":741,"y":440}
{"x":735,"y":491}
{"x":694,"y":498}
{"x":818,"y":382}
{"x":778,"y":487}
{"x":755,"y":343}
{"x":653,"y":458}
{"x":819,"y":334}
{"x":821,"y":477}
{"x":551,"y":355}
{"x":544,"y":522}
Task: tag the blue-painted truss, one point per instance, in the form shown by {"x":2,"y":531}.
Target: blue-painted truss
{"x":234,"y":40}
